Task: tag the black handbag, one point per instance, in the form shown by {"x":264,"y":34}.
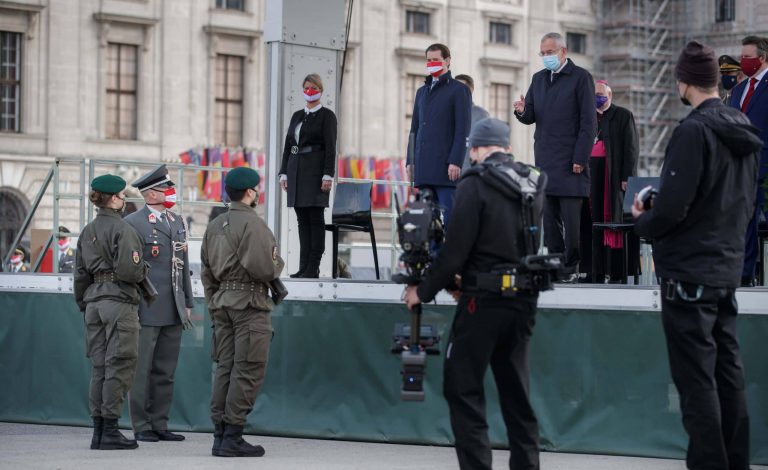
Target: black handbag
{"x":278,"y":291}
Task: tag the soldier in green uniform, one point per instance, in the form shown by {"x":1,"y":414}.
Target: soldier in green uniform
{"x":164,"y":234}
{"x":108,"y":268}
{"x":17,"y":263}
{"x":66,"y":252}
{"x":239,"y":258}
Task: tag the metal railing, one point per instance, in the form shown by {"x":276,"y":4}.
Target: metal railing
{"x":85,"y":207}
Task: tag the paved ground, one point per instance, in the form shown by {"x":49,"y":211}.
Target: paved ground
{"x":61,"y":448}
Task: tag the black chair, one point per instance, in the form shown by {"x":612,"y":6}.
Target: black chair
{"x":352,"y":213}
{"x":634,"y":185}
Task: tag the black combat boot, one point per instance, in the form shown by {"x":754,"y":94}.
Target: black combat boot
{"x":113,"y":439}
{"x":233,"y":444}
{"x":98,"y":426}
{"x":218,"y":433}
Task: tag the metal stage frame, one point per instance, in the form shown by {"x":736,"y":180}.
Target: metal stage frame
{"x":752,"y":301}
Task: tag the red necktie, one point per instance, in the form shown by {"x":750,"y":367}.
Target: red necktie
{"x":750,"y":92}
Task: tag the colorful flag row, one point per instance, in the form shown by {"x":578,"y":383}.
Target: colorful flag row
{"x":211,"y":183}
{"x":386,"y":169}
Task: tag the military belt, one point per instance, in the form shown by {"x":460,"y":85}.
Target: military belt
{"x":105,"y":276}
{"x":258,"y":287}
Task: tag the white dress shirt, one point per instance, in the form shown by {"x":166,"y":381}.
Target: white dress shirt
{"x":759,"y":78}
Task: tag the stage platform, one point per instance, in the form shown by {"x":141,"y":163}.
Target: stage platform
{"x":600,"y":382}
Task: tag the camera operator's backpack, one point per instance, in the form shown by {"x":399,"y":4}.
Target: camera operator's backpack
{"x":518,"y":182}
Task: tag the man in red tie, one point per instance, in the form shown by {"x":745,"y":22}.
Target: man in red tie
{"x":751,"y":98}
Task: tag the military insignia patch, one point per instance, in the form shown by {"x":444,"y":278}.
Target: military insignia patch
{"x":274,"y":253}
{"x":155,"y":250}
{"x":152,"y":218}
{"x":135,"y":256}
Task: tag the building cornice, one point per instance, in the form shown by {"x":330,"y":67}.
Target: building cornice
{"x":126,"y":19}
{"x":228,"y":31}
{"x":21,"y":6}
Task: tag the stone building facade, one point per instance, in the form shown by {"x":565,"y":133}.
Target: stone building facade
{"x":144,"y":80}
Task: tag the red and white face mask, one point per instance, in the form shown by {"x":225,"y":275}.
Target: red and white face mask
{"x":170,"y":198}
{"x":63,"y":243}
{"x":16,"y":259}
{"x":312,"y":95}
{"x":435,"y":68}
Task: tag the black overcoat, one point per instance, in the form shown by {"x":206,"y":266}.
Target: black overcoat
{"x":617,"y":128}
{"x":563,"y":110}
{"x":305,"y":170}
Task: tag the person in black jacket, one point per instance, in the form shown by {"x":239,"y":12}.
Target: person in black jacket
{"x":306,"y":173}
{"x":697,"y":223}
{"x":613,"y":161}
{"x":561,"y":102}
{"x":486,"y":232}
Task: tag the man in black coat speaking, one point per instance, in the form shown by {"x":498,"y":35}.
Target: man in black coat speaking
{"x":561,"y":101}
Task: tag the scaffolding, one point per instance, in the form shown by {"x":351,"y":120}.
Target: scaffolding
{"x":638,"y":46}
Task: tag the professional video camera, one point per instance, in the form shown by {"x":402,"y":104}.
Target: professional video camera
{"x":420,"y":232}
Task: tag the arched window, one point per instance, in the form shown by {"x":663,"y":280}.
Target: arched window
{"x":13,"y":211}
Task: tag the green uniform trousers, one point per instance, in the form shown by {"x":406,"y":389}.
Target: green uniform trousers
{"x":152,"y":392}
{"x":241,"y":349}
{"x":112,"y":343}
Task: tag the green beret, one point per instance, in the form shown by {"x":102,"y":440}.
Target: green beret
{"x":108,"y":184}
{"x":242,"y":178}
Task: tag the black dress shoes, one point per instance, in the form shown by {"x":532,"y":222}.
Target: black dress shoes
{"x":168,"y":436}
{"x":146,"y":436}
{"x":748,"y":282}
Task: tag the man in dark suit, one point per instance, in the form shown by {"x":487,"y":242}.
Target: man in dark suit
{"x":66,"y":252}
{"x":439,"y":129}
{"x":165,"y":248}
{"x":751,"y":98}
{"x":561,"y":102}
{"x":478,"y":112}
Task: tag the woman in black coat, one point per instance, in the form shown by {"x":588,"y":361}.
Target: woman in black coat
{"x":613,"y":161}
{"x":306,"y":173}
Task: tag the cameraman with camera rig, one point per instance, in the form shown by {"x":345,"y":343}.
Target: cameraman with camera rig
{"x":697,"y":223}
{"x":492,"y":242}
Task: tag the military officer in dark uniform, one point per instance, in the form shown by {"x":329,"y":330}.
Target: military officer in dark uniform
{"x":109,"y":265}
{"x":486,"y":232}
{"x":66,"y":252}
{"x":165,"y":248}
{"x":17,"y":263}
{"x":239,"y":258}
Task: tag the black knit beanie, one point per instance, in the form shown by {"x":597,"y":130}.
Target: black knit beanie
{"x":698,"y":66}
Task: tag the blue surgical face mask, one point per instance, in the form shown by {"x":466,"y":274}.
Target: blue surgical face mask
{"x":729,"y":81}
{"x":600,"y":101}
{"x":551,"y":62}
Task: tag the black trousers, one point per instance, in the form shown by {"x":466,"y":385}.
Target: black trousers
{"x":311,"y":235}
{"x":562,"y":228}
{"x":706,"y":367}
{"x":497,"y":332}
